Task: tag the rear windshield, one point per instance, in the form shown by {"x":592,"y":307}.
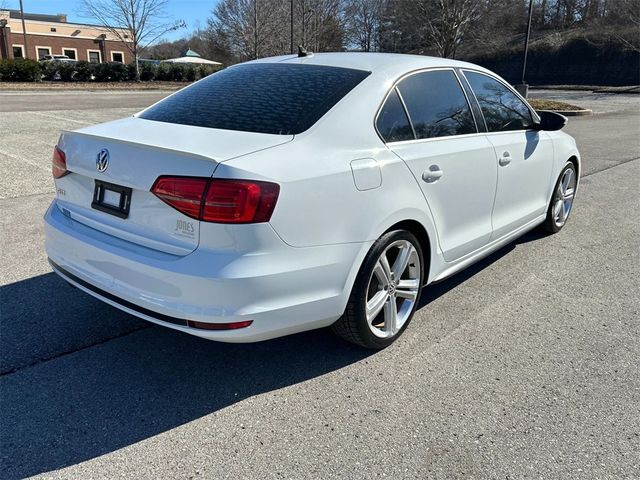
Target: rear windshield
{"x":262,"y":97}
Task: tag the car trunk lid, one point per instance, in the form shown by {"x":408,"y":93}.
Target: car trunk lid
{"x":137,"y":152}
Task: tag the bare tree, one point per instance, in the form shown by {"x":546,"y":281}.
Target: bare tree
{"x":251,"y":28}
{"x":142,"y":21}
{"x":319,"y":26}
{"x":447,"y":21}
{"x":362,"y":23}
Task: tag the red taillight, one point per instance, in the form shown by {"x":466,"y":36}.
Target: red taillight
{"x":58,"y":163}
{"x":219,"y":326}
{"x":182,"y":193}
{"x":219,"y":200}
{"x":240,"y":201}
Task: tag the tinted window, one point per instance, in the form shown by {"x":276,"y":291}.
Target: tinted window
{"x":393,"y":123}
{"x":501,"y":108}
{"x":262,"y":97}
{"x":436,"y":104}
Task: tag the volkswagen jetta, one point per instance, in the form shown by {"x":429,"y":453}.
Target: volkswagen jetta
{"x":300,"y":192}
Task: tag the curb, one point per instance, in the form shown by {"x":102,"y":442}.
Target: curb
{"x":574,"y":113}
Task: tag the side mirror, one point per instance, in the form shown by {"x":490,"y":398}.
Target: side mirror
{"x":551,"y":121}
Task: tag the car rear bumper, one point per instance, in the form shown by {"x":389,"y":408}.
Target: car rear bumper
{"x":281,"y":289}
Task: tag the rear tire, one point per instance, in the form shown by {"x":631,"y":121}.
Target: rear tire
{"x":386,"y":292}
{"x":562,"y":199}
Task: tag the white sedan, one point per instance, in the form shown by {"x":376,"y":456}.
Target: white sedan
{"x":301,"y":192}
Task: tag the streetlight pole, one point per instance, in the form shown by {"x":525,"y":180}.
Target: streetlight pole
{"x":292,"y":52}
{"x":523,"y":88}
{"x":24,"y":33}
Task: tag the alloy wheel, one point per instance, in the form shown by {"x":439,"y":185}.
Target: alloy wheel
{"x":393,"y":289}
{"x":563,"y":200}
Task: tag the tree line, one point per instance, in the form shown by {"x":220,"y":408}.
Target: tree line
{"x":240,"y":30}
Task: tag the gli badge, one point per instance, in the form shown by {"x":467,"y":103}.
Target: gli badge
{"x":102,"y":160}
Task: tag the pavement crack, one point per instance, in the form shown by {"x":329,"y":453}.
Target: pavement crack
{"x":604,"y":169}
{"x":70,"y":352}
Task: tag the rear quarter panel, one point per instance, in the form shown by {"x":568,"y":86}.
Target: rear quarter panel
{"x":319,"y":203}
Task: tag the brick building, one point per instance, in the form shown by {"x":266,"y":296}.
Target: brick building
{"x":53,"y":35}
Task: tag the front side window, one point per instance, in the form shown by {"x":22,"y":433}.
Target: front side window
{"x":276,"y":98}
{"x":436,"y":104}
{"x":502,"y":109}
{"x":393,"y":123}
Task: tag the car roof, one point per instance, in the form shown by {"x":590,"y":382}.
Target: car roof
{"x":391,"y":64}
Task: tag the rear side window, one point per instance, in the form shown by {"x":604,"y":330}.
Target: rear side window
{"x":273,"y":98}
{"x":436,"y":104}
{"x":393,"y":123}
{"x":501,"y":108}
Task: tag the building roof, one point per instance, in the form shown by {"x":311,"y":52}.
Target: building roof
{"x":40,"y":17}
{"x":192,"y":59}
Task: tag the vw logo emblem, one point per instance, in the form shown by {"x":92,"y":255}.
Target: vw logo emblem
{"x":102,"y":160}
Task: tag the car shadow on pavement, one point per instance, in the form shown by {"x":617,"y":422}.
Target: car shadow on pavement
{"x":66,"y":404}
{"x":62,"y":403}
{"x":436,"y":290}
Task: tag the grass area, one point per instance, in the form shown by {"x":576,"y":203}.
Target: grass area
{"x":542,"y":104}
{"x":32,"y":86}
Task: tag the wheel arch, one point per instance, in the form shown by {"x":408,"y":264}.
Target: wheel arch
{"x":576,"y":163}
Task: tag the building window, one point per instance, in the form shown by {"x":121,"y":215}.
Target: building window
{"x":94,"y":56}
{"x":117,"y":57}
{"x":42,"y":52}
{"x":18,"y":51}
{"x":70,"y":52}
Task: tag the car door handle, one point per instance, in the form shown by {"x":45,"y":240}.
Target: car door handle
{"x":505,"y":159}
{"x":433,"y":174}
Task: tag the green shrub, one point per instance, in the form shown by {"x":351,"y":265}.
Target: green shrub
{"x":205,"y":70}
{"x":148,"y":71}
{"x":102,"y":72}
{"x":29,"y":71}
{"x":163,"y":72}
{"x":67,"y":71}
{"x":50,"y":70}
{"x":84,"y":71}
{"x":177,"y":72}
{"x":130,"y":71}
{"x":4,"y":70}
{"x":117,"y":72}
{"x":20,"y":70}
{"x":190,"y":74}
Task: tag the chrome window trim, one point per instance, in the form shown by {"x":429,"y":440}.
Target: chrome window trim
{"x":406,"y":111}
{"x":432,"y":139}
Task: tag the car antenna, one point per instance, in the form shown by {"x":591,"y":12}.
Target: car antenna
{"x":302,"y":52}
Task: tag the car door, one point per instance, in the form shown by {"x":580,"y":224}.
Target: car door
{"x":427,"y":121}
{"x":524,"y":156}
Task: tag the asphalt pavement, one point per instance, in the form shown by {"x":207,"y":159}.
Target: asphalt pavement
{"x":524,"y":366}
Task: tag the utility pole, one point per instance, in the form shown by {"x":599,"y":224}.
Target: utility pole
{"x":255,"y":29}
{"x":24,"y":33}
{"x":523,"y":88}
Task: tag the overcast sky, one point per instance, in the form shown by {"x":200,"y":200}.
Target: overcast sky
{"x":194,"y":12}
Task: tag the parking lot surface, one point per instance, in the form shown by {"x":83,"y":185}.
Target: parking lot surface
{"x":524,"y":366}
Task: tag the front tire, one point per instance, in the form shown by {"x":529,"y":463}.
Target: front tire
{"x":386,"y":292}
{"x":562,"y":200}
